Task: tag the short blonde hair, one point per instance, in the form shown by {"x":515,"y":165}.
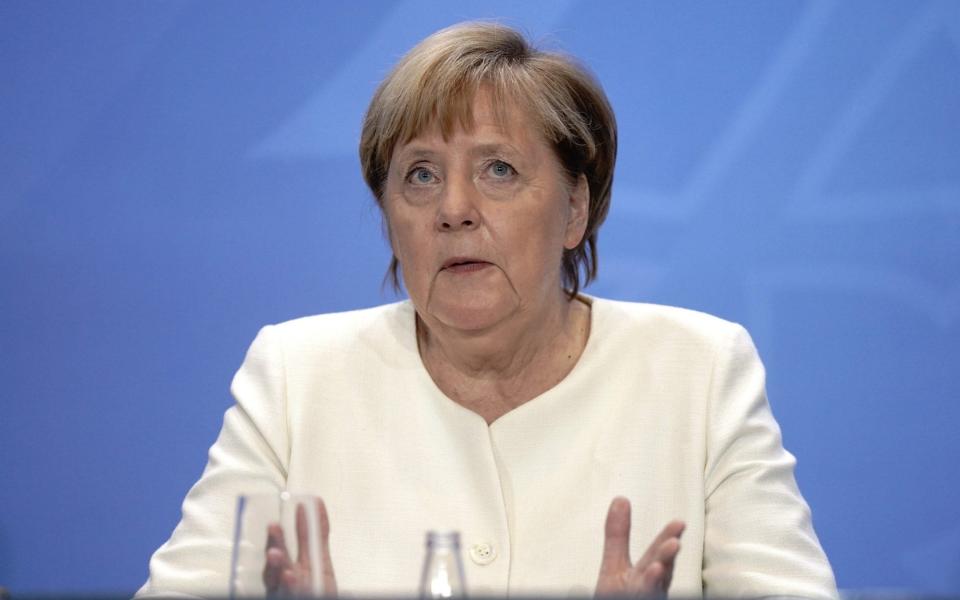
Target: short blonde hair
{"x":436,"y":81}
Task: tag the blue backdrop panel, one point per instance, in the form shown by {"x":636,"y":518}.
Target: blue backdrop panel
{"x":177,"y":174}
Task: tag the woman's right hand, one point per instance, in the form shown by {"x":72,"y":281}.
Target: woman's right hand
{"x":284,"y":576}
{"x":650,"y":576}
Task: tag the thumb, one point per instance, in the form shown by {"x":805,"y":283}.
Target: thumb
{"x":616,"y":537}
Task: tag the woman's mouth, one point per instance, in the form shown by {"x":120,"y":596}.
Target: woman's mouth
{"x":464,"y":265}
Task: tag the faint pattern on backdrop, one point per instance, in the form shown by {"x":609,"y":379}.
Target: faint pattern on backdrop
{"x":177,"y":174}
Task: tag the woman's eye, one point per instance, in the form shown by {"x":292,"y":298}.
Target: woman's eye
{"x":420,"y":175}
{"x":500,"y":169}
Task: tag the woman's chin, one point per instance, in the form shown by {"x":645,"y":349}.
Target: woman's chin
{"x":474,"y":314}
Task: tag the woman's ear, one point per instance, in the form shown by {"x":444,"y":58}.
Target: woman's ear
{"x":579,"y":213}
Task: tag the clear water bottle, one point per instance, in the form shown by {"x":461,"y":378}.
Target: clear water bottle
{"x":442,"y":568}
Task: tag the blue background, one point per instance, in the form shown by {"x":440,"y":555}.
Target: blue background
{"x":177,"y":174}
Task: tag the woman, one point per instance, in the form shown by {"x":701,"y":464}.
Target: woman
{"x":499,"y":401}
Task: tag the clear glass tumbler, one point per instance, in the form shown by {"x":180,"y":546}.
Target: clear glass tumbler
{"x":287,"y":526}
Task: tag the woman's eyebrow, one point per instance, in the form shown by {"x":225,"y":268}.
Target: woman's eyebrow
{"x":494,"y":148}
{"x":414,"y":153}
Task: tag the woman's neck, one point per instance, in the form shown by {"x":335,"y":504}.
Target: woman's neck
{"x":494,"y":371}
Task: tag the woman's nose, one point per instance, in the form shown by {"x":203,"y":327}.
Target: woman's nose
{"x":458,"y":206}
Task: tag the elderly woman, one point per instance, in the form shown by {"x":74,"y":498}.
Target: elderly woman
{"x":498,"y":400}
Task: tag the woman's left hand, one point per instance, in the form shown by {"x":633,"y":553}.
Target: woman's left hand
{"x":285,"y":577}
{"x":649,"y":576}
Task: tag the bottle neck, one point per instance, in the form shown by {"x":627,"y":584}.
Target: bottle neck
{"x":443,"y":540}
{"x":442,"y":570}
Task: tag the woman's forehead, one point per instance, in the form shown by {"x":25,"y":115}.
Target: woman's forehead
{"x":486,"y":121}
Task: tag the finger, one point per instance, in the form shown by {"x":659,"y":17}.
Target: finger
{"x":276,"y":539}
{"x":672,"y":530}
{"x":616,"y":537}
{"x":329,"y":579}
{"x":666,"y":551}
{"x":653,"y":579}
{"x":273,"y":570}
{"x":276,"y":557}
{"x":667,"y":557}
{"x":303,"y":538}
{"x":291,"y":582}
{"x":645,"y":582}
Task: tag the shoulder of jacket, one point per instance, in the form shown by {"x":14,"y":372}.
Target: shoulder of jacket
{"x":340,"y":327}
{"x":670,"y":321}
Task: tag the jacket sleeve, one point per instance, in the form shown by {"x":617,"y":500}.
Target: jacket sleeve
{"x":250,"y":456}
{"x":759,"y":538}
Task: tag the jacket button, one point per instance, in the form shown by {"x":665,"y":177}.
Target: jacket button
{"x":482,"y":553}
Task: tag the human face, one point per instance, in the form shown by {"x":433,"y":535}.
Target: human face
{"x":479,"y":221}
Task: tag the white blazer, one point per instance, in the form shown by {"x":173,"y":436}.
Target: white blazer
{"x":665,"y":406}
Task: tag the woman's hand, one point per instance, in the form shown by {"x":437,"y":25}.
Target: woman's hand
{"x":649,"y":576}
{"x":284,"y":576}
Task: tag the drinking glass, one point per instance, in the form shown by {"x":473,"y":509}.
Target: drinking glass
{"x":288,"y":522}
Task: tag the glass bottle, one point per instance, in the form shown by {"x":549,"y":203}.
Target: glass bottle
{"x":442,"y":568}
